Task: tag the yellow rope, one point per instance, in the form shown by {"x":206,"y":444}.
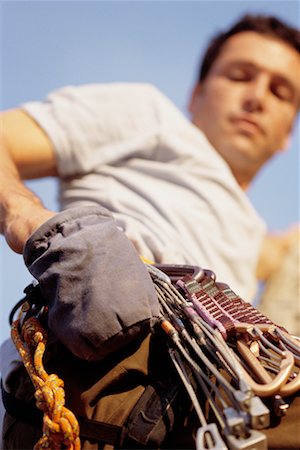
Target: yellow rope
{"x":60,"y":426}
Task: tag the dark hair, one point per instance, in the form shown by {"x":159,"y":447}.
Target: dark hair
{"x":267,"y":25}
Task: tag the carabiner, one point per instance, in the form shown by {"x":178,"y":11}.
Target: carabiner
{"x":269,"y":386}
{"x":208,"y":433}
{"x":179,"y":271}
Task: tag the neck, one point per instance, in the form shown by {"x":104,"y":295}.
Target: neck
{"x":243,"y":179}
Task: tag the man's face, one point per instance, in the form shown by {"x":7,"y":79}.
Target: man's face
{"x":248,"y":102}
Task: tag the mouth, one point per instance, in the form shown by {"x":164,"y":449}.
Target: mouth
{"x":247,"y":125}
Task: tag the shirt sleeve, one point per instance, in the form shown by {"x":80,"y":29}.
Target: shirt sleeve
{"x":81,"y":120}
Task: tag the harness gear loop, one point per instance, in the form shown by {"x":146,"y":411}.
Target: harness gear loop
{"x":60,"y":426}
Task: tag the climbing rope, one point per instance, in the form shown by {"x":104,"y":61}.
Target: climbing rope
{"x":60,"y":426}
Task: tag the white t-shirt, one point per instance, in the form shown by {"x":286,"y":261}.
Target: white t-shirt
{"x":129,"y":149}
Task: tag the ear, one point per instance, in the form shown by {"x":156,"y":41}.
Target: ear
{"x":194,"y":98}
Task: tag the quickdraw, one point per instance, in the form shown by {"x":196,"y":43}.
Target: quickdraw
{"x":224,"y":348}
{"x":60,"y":426}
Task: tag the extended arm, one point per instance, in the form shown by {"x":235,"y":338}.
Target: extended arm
{"x":25,"y":152}
{"x":79,"y":257}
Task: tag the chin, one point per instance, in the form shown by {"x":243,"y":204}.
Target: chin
{"x":242,"y":157}
{"x":243,"y":145}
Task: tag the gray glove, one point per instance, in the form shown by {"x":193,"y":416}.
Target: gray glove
{"x":99,"y":293}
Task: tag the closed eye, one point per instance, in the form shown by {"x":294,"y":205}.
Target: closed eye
{"x":283,"y":90}
{"x":240,"y":71}
{"x":239,"y":74}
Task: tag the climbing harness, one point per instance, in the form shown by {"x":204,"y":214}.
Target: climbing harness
{"x":221,"y":347}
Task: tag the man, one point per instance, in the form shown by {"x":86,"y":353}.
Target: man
{"x":175,"y":188}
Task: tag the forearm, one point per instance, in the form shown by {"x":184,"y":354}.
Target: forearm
{"x":21,"y":211}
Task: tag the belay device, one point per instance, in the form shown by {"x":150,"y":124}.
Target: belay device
{"x":222,"y":348}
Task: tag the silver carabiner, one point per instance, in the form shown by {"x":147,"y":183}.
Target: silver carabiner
{"x":254,"y":441}
{"x":209,"y":433}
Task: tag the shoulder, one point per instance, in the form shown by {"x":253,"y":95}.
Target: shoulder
{"x":114,"y":99}
{"x":107,"y":90}
{"x":139,"y":102}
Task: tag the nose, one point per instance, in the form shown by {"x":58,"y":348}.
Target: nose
{"x":256,"y":93}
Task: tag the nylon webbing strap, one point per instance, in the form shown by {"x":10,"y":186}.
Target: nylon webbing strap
{"x":99,"y":431}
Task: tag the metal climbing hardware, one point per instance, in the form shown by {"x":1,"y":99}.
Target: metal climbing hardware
{"x":222,"y":347}
{"x":209,"y":435}
{"x":253,"y":441}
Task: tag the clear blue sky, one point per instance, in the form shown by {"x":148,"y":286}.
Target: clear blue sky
{"x":48,"y":44}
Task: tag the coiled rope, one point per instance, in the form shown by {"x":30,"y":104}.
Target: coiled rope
{"x":60,"y":426}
